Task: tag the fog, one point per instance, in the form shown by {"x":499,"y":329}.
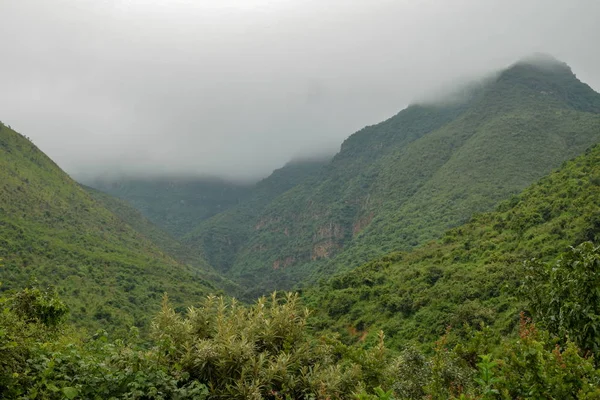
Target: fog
{"x":236,"y":88}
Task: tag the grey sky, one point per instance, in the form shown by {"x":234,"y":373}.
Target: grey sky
{"x":238,"y":87}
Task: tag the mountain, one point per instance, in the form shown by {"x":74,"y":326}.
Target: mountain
{"x":505,"y":305}
{"x":405,"y":181}
{"x":471,"y":274}
{"x":53,"y":231}
{"x":177,"y":204}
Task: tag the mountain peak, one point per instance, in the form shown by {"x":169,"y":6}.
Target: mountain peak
{"x":544,"y":74}
{"x":544,"y":61}
{"x":539,"y":64}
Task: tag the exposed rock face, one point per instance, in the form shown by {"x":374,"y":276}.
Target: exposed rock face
{"x":264,"y":222}
{"x":285,"y":263}
{"x":324,"y":249}
{"x":361,"y":223}
{"x":331,"y":230}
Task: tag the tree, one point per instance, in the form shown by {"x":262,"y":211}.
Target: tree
{"x":565,"y":295}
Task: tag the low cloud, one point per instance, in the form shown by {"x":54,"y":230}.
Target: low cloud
{"x":236,"y":88}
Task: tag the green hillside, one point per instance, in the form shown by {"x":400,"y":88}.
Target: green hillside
{"x":52,"y":231}
{"x":193,"y":257}
{"x":405,"y":181}
{"x":222,"y":236}
{"x":134,"y":218}
{"x":471,"y":274}
{"x":526,"y":123}
{"x":177,"y":205}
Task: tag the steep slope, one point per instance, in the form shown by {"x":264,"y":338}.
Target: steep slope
{"x":469,"y":275}
{"x":176,"y":205}
{"x":525,"y":124}
{"x":53,"y":231}
{"x":193,"y":257}
{"x":404,"y":181}
{"x":222,"y":235}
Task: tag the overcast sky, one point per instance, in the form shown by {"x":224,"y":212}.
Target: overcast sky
{"x":238,"y":87}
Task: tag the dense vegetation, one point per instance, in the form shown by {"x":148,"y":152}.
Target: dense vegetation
{"x":176,"y":204}
{"x":223,"y":235}
{"x":470,"y":275}
{"x":191,"y":256}
{"x":52,"y":231}
{"x":223,"y":350}
{"x":405,"y":181}
{"x":132,"y":217}
{"x":505,"y":306}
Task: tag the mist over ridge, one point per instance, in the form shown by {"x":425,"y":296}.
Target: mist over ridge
{"x":237,"y":89}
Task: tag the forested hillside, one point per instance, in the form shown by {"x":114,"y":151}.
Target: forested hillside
{"x":403,"y":182}
{"x":53,"y":232}
{"x":472,"y":274}
{"x":190,"y":256}
{"x":222,"y":236}
{"x":176,"y":204}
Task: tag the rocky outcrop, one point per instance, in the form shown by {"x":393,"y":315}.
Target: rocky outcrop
{"x":283,"y":263}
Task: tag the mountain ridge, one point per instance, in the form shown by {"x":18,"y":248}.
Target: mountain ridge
{"x":358,"y":207}
{"x":404,"y":181}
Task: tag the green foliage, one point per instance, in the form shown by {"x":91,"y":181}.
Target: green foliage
{"x":263,"y":351}
{"x":379,"y":394}
{"x":471,"y":275}
{"x":53,"y":231}
{"x":486,"y":379}
{"x":134,"y":218}
{"x":449,"y":374}
{"x":411,"y":372}
{"x":99,"y":370}
{"x":40,"y":359}
{"x":225,"y":350}
{"x":22,"y":326}
{"x":405,"y":181}
{"x":565,"y":295}
{"x":528,"y":366}
{"x":183,"y":253}
{"x":176,"y":205}
{"x":534,"y":366}
{"x":33,"y":304}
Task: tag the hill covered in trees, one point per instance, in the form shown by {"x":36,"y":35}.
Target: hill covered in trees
{"x":54,"y":233}
{"x":223,"y":235}
{"x":222,"y":349}
{"x":175,"y":204}
{"x":193,"y":257}
{"x":471,"y":275}
{"x":402,"y":182}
